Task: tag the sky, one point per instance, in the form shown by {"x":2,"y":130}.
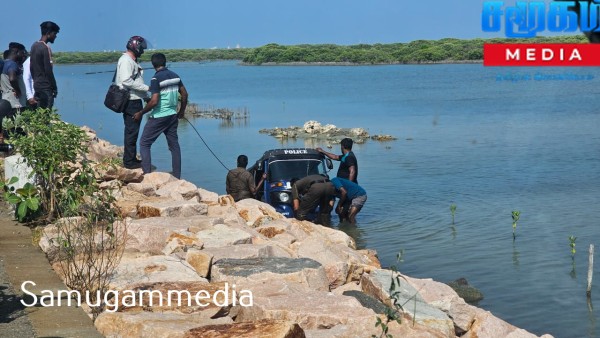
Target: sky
{"x":108,"y":24}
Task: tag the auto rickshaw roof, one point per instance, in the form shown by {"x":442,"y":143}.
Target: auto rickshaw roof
{"x":291,"y":153}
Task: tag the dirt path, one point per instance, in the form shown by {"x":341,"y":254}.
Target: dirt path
{"x":21,"y":261}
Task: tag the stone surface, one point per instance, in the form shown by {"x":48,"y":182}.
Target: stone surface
{"x":341,"y":263}
{"x":377,"y":284}
{"x":178,"y":242}
{"x":136,"y":270}
{"x":158,"y":179}
{"x":200,"y":261}
{"x":142,"y":188}
{"x":256,"y":213}
{"x":123,"y":174}
{"x":152,"y":234}
{"x":302,"y":271}
{"x":310,"y":309}
{"x":266,"y":328}
{"x":227,"y":212}
{"x":303,"y":229}
{"x":149,"y":324}
{"x":367,"y":301}
{"x":180,"y":297}
{"x":171,"y":208}
{"x":243,"y":251}
{"x":179,"y":190}
{"x":208,"y":197}
{"x":222,"y":235}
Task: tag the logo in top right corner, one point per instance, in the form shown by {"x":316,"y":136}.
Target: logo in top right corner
{"x":528,"y":18}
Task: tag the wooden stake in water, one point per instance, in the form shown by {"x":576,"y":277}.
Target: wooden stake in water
{"x":590,"y":271}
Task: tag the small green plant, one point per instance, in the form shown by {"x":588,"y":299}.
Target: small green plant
{"x":515,"y":217}
{"x":26,"y":199}
{"x":572,"y":240}
{"x":391,"y":314}
{"x":453,"y":211}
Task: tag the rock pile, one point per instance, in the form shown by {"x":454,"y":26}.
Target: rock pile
{"x":326,"y":133}
{"x":268,"y":276}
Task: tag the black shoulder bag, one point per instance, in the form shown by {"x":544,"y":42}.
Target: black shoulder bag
{"x":116,"y":97}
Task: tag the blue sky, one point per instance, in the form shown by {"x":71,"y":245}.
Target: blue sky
{"x":106,"y":25}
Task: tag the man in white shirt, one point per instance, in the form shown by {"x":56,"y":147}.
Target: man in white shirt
{"x":28,"y":80}
{"x":130,"y":75}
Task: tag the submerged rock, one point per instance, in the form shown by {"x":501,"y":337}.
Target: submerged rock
{"x":466,"y":291}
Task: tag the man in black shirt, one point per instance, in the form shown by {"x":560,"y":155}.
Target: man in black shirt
{"x":44,"y":83}
{"x":348,"y":164}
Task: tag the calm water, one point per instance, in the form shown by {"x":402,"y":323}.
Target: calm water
{"x":464,"y":138}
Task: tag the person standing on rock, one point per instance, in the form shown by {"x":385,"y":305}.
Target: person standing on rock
{"x":239,"y":182}
{"x":131,"y":76}
{"x":352,"y":198}
{"x":41,"y":66}
{"x":348,"y":168}
{"x":165,"y":89}
{"x":310,"y":192}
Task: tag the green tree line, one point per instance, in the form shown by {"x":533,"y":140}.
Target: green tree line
{"x":173,"y":55}
{"x":419,"y":51}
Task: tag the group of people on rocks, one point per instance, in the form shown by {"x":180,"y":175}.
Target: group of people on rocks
{"x":313,"y":190}
{"x":27,"y":82}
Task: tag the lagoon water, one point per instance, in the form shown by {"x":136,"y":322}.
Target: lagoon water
{"x":489,"y":140}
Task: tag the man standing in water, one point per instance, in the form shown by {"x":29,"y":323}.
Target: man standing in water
{"x":348,"y":168}
{"x":165,"y":87}
{"x":42,"y":73}
{"x":350,"y":194}
{"x":130,"y":75}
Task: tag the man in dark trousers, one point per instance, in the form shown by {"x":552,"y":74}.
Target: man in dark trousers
{"x":348,"y":164}
{"x":240,"y":182}
{"x":42,"y":73}
{"x":310,"y":192}
{"x":130,"y":75}
{"x":165,"y":88}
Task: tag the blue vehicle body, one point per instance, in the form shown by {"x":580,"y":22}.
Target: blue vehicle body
{"x":281,"y":166}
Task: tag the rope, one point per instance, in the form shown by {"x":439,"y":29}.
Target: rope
{"x":185,"y":118}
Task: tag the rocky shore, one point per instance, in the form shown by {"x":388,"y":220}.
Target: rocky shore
{"x":258,"y":274}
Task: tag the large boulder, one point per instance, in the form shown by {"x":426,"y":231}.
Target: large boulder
{"x":179,"y":190}
{"x":256,"y":213}
{"x":151,"y":324}
{"x":152,"y":234}
{"x":222,"y":235}
{"x":311,"y":309}
{"x":135,"y":269}
{"x":247,"y":272}
{"x":341,"y":263}
{"x":377,"y":283}
{"x":171,"y":208}
{"x":263,"y":328}
{"x":243,"y":251}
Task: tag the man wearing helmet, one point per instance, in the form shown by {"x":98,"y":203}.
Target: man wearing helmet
{"x":130,"y":75}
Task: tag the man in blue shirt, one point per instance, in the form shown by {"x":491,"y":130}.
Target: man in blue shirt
{"x":352,"y":192}
{"x":165,"y":88}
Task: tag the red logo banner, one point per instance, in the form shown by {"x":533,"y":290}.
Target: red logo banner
{"x":541,"y":54}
